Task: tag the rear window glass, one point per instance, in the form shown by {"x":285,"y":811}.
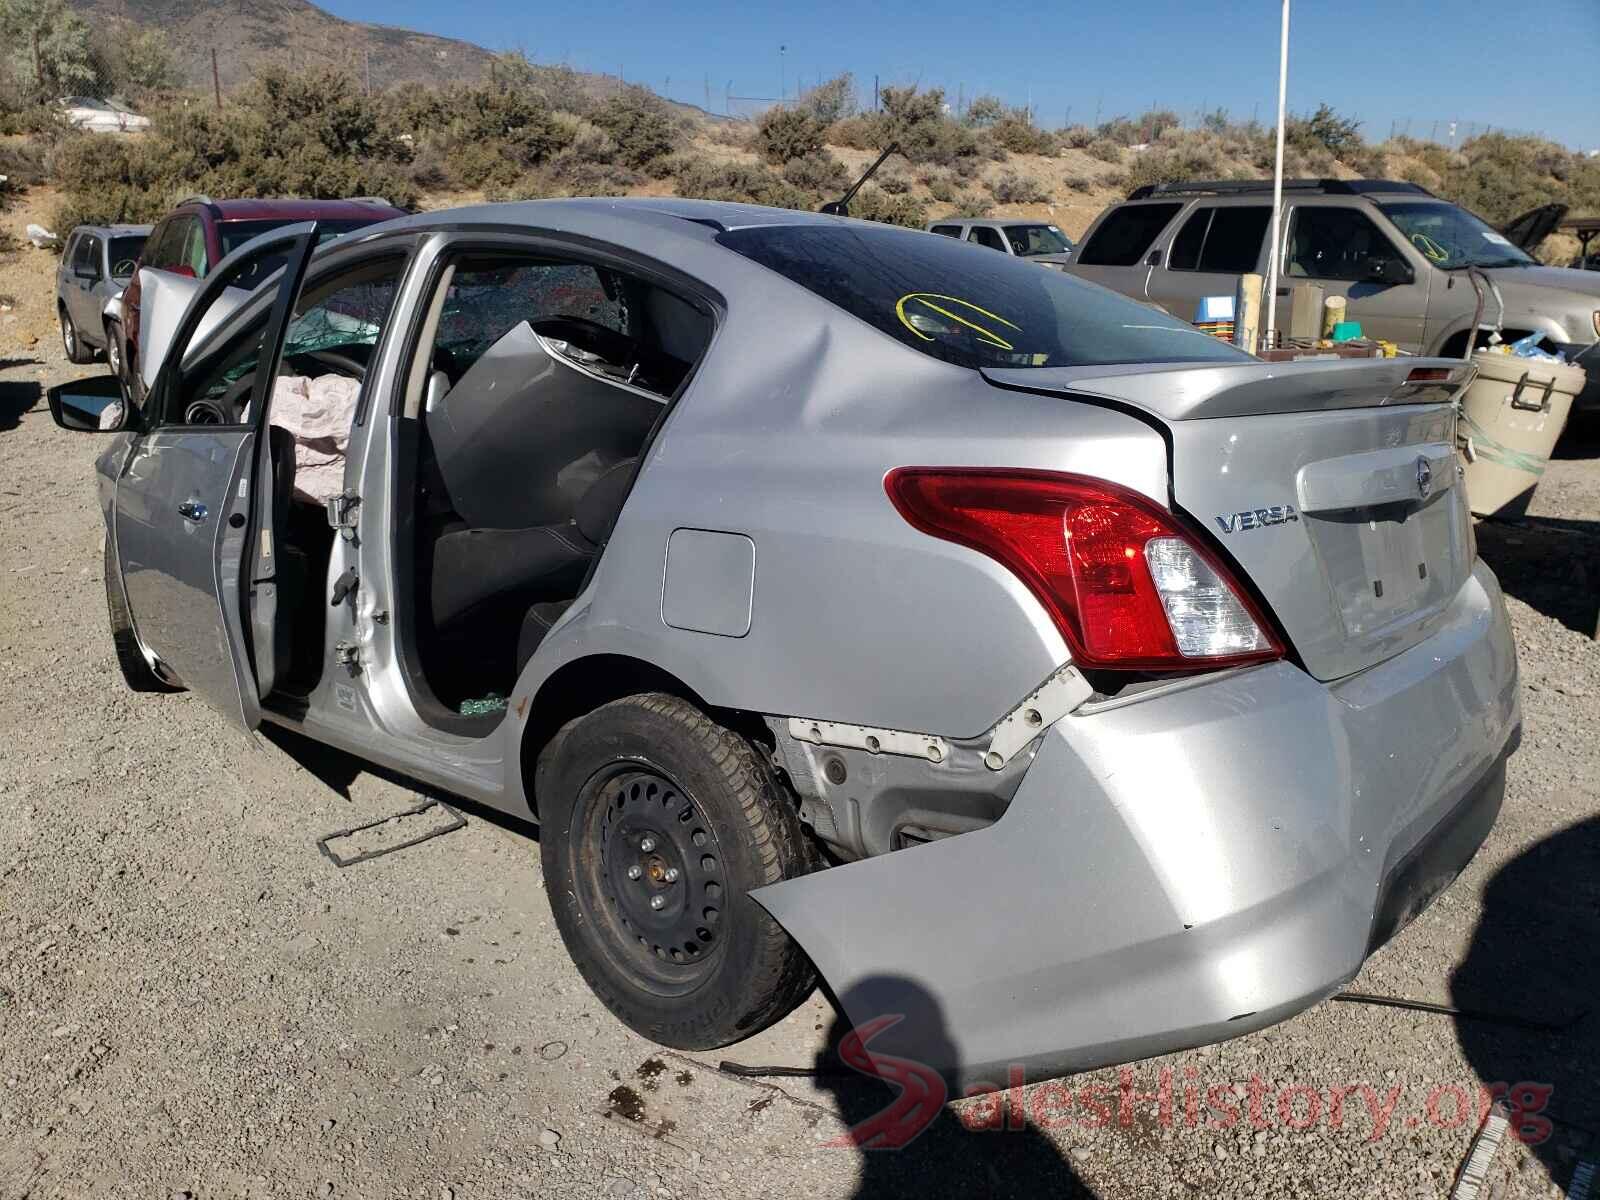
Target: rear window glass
{"x":968,"y":306}
{"x":1126,"y":234}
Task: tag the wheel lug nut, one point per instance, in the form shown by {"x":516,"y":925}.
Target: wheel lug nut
{"x":658,"y":902}
{"x":672,"y":875}
{"x":648,"y":844}
{"x":635,"y":871}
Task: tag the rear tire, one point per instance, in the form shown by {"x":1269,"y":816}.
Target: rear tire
{"x":71,"y":343}
{"x":136,"y":672}
{"x":656,"y":824}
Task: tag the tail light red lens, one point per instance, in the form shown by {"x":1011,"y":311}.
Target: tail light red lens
{"x":1128,"y":587}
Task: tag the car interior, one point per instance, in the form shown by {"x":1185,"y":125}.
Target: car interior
{"x":523,"y":423}
{"x":332,"y":335}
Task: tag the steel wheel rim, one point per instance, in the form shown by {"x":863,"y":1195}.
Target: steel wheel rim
{"x":69,"y":336}
{"x":640,"y":837}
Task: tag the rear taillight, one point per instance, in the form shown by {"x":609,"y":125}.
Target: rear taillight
{"x":1127,"y":586}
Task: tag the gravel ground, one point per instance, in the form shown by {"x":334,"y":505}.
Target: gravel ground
{"x":194,"y":1002}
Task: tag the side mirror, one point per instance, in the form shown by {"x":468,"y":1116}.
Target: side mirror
{"x":1386,"y":270}
{"x":93,"y":405}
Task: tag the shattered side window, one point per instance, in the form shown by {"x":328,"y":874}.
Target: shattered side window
{"x":489,"y":298}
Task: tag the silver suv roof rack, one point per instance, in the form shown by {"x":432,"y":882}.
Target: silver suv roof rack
{"x":1247,"y":187}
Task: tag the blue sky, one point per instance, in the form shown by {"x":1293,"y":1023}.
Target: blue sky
{"x":1533,"y":69}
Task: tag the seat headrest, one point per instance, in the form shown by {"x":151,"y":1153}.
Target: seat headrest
{"x":597,"y":509}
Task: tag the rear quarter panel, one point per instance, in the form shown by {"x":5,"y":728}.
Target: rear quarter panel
{"x":785,"y":438}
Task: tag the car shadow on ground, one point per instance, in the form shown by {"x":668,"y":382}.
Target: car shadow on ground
{"x":17,"y":398}
{"x":337,"y":770}
{"x":1535,"y":956}
{"x":1549,"y":563}
{"x":1581,"y":438}
{"x":911,"y":1142}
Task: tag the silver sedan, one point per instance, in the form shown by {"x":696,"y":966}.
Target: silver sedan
{"x":1058,"y":683}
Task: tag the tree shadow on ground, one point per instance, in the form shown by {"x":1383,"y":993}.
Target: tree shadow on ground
{"x":911,"y":1143}
{"x":17,"y":398}
{"x":1536,"y":955}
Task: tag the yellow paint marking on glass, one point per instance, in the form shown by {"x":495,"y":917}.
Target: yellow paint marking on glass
{"x":926,"y":299}
{"x":1429,"y":247}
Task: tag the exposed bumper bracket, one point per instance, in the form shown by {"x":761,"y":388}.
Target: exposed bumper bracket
{"x":1042,"y":708}
{"x":872,"y":740}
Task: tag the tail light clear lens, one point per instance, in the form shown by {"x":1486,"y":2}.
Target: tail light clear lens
{"x":1124,"y":582}
{"x":1206,"y":618}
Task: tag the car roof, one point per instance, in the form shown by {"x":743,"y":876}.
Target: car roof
{"x":712,"y":216}
{"x":294,"y":210}
{"x":116,"y":230}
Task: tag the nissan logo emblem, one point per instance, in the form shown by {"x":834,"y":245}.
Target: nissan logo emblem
{"x":1424,"y":478}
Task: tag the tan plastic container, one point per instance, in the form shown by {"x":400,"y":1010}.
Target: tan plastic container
{"x":1511,"y":416}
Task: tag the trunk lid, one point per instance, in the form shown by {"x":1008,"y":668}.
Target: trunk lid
{"x":1331,"y":486}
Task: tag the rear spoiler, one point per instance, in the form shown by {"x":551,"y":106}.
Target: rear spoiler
{"x":1197,"y":391}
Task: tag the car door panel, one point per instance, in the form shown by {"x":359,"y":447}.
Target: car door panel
{"x":1330,"y":255}
{"x":80,"y":287}
{"x":1225,"y":242}
{"x":191,"y":508}
{"x":177,"y":538}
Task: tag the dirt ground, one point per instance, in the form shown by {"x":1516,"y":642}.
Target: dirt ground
{"x":195,"y":1002}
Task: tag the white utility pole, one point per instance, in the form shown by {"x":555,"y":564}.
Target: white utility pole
{"x":1274,"y":246}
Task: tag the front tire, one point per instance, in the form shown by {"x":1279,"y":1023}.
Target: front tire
{"x":656,"y":824}
{"x":114,"y":352}
{"x":71,"y":343}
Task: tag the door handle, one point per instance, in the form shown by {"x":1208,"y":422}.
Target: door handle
{"x":193,"y":510}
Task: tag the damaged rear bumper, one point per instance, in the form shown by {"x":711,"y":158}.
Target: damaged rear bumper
{"x":1181,"y":868}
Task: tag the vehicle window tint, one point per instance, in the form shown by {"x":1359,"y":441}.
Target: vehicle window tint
{"x":974,"y":310}
{"x":1233,"y":243}
{"x":1335,"y":243}
{"x":173,"y":239}
{"x":985,"y":236}
{"x":234,"y":234}
{"x":489,"y":298}
{"x":124,"y":253}
{"x":1185,"y":252}
{"x":948,"y":230}
{"x":1126,"y":234}
{"x":83,"y":254}
{"x":151,"y":256}
{"x":193,"y":254}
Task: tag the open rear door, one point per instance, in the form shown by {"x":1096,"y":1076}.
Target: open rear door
{"x":193,"y":523}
